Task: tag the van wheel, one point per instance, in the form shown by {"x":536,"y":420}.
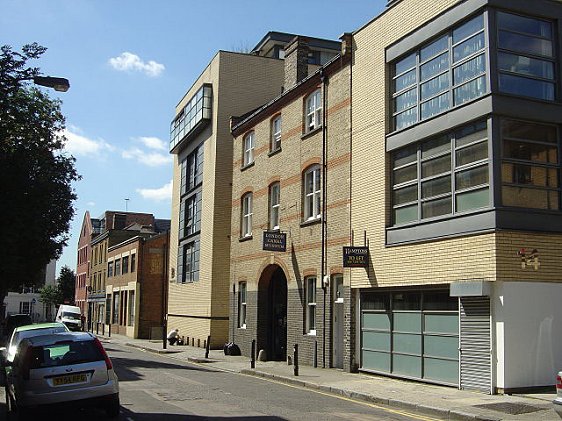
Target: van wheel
{"x":112,"y":408}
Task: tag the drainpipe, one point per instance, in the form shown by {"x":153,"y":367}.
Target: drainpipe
{"x":323,"y":219}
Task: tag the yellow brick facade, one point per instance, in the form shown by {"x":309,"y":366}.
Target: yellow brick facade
{"x":240,"y":82}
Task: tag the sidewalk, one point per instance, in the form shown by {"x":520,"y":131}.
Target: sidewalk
{"x":434,"y":401}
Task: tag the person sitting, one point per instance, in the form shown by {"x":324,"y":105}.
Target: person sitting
{"x":173,"y":336}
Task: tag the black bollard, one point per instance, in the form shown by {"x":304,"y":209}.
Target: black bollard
{"x":97,"y":328}
{"x":208,"y":346}
{"x":296,"y":360}
{"x":315,"y":354}
{"x":253,"y":356}
{"x":109,"y":330}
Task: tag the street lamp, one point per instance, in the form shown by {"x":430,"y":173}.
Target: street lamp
{"x":59,"y":84}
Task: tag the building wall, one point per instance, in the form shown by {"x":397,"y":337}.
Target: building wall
{"x":534,"y":322}
{"x":303,"y":255}
{"x":153,"y":277}
{"x":240,"y":83}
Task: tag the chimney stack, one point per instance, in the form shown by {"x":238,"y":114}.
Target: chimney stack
{"x":296,"y":61}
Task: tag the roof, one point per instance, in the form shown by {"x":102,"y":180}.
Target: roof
{"x":273,"y":37}
{"x":38,"y":326}
{"x":59,"y":337}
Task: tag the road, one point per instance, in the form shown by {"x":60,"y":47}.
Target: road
{"x":154,"y":387}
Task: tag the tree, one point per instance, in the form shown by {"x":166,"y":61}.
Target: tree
{"x":50,"y":295}
{"x":66,"y":285}
{"x":35,"y":175}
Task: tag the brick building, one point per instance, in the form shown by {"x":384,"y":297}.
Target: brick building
{"x":199,"y":266}
{"x":135,"y":285}
{"x":456,"y":182}
{"x":286,"y":271}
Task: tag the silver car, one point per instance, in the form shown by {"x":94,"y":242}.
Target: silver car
{"x":61,"y":368}
{"x":558,"y":401}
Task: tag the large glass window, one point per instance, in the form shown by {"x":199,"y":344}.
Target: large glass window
{"x":274,"y":205}
{"x":443,"y":175}
{"x":275,"y":143}
{"x":242,"y":304}
{"x":192,"y":170}
{"x":125,"y":267}
{"x":246,"y":225}
{"x":313,"y":111}
{"x":530,"y":166}
{"x":443,"y":73}
{"x":248,"y":149}
{"x":197,"y":109}
{"x":526,"y":56}
{"x":188,"y":262}
{"x":312,"y":190}
{"x":131,"y":317}
{"x":190,"y":215}
{"x":310,"y":318}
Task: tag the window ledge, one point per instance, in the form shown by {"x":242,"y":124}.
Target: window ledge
{"x":311,"y":333}
{"x":242,"y":327}
{"x":250,"y":165}
{"x":246,"y":238}
{"x":274,"y":152}
{"x":310,"y":222}
{"x":311,"y":133}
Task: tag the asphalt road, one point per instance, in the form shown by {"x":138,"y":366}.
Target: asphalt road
{"x":154,"y":387}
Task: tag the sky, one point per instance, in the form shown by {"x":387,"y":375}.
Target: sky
{"x":129,"y":62}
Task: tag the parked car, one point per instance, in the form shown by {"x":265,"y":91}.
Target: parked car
{"x":69,"y":368}
{"x":558,"y":401}
{"x":70,"y":316}
{"x":28,"y":331}
{"x":15,"y":320}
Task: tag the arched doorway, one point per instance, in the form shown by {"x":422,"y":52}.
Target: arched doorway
{"x":272,"y":313}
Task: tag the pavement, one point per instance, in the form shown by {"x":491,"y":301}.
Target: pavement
{"x":438,"y":402}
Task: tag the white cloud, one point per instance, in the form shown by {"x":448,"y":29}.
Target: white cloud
{"x":131,"y":62}
{"x":79,"y":145}
{"x":158,"y":195}
{"x":91,"y":204}
{"x":153,"y":143}
{"x":152,"y":159}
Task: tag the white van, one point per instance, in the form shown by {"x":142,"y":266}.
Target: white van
{"x":71,"y":316}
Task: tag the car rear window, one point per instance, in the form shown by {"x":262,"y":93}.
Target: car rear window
{"x":65,"y":353}
{"x":70,"y":315}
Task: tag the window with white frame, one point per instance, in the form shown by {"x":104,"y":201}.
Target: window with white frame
{"x":446,"y":72}
{"x":275,"y":134}
{"x":25,"y":307}
{"x":312,"y":189}
{"x":310,"y":318}
{"x":526,"y":56}
{"x":246,"y":225}
{"x":274,"y":194}
{"x":313,"y":109}
{"x":248,"y":149}
{"x":242,"y":304}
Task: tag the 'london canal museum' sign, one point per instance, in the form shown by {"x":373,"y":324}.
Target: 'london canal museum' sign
{"x":274,"y":241}
{"x":355,"y":257}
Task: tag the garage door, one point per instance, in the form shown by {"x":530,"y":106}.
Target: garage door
{"x":412,"y":334}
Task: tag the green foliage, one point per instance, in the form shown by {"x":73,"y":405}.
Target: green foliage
{"x":36,"y":204}
{"x":51,"y":295}
{"x":63,"y":291}
{"x":66,"y":285}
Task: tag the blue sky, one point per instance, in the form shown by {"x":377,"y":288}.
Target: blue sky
{"x":130,"y":62}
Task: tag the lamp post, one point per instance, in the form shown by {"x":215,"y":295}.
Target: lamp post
{"x":59,"y":84}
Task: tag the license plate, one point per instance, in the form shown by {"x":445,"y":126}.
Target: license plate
{"x":70,"y":379}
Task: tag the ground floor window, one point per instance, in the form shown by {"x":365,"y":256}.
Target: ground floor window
{"x":411,"y":334}
{"x":310,"y":318}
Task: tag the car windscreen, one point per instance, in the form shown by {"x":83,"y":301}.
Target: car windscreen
{"x":65,"y":353}
{"x":69,"y":315}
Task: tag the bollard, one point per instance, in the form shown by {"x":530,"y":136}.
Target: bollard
{"x":97,"y":328}
{"x":208,"y":346}
{"x":253,"y":355}
{"x":315,"y":356}
{"x":103,"y":328}
{"x":109,"y":330}
{"x":296,"y":360}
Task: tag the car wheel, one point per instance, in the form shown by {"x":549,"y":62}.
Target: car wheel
{"x":112,"y":408}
